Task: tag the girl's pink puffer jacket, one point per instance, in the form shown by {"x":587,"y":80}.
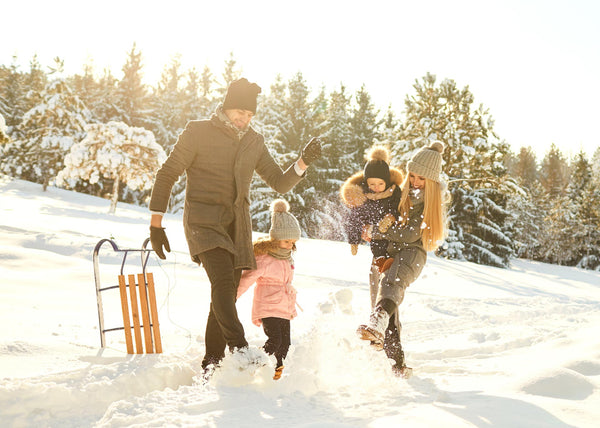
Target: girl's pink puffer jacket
{"x":274,"y":295}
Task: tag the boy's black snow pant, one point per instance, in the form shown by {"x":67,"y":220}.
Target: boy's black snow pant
{"x":223,"y":327}
{"x":278,"y":333}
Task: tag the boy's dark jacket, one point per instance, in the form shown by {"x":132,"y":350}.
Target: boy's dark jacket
{"x":365,"y":211}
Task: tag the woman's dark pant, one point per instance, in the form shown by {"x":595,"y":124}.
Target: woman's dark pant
{"x":391,"y":343}
{"x":278,"y":334}
{"x":223,"y":327}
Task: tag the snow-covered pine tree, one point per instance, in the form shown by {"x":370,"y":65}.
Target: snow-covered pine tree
{"x":586,"y":197}
{"x":557,"y":240}
{"x":3,"y":135}
{"x":9,"y":81}
{"x":132,"y":93}
{"x":48,"y":131}
{"x":34,"y":81}
{"x":325,"y":213}
{"x":13,"y":106}
{"x":556,"y":237}
{"x":167,"y":118}
{"x":388,"y":133}
{"x":200,"y":102}
{"x":266,"y":122}
{"x":473,"y":162}
{"x":104,"y":104}
{"x":116,"y":151}
{"x":525,"y":169}
{"x":527,"y":213}
{"x":230,"y":73}
{"x":554,"y":172}
{"x":364,"y":125}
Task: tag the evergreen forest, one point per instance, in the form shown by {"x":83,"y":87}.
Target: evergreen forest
{"x":106,"y":136}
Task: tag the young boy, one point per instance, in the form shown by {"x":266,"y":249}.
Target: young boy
{"x":371,"y":194}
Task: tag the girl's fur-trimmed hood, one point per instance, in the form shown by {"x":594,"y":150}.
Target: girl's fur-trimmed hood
{"x":353,"y":191}
{"x":264,"y":244}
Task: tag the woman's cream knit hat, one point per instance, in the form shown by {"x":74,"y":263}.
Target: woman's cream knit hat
{"x":427,"y":162}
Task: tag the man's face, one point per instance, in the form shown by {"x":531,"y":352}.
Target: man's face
{"x":240,"y":118}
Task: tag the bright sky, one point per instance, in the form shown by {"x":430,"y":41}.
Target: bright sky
{"x":535,"y":64}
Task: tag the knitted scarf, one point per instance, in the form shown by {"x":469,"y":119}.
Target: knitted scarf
{"x":281,"y":254}
{"x":239,"y":133}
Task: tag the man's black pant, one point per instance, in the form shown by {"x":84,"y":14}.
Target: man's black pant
{"x":278,"y":333}
{"x":223,"y":327}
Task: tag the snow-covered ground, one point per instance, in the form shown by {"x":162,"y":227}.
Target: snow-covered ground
{"x":490,"y":347}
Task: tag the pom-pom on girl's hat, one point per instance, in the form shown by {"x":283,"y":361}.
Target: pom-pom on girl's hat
{"x":283,"y":223}
{"x":241,"y":94}
{"x":377,"y":165}
{"x":427,"y":162}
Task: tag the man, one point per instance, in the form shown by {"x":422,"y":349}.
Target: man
{"x":219,"y":157}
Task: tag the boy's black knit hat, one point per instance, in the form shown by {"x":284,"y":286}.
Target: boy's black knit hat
{"x":377,"y":165}
{"x":241,"y":94}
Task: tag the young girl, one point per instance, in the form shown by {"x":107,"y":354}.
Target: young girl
{"x":371,"y":194}
{"x":274,"y":303}
{"x":420,"y":227}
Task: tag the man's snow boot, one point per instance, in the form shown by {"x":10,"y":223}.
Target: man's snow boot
{"x":374,"y":331}
{"x":249,"y":357}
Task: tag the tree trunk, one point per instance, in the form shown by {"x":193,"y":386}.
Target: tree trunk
{"x":115,"y":196}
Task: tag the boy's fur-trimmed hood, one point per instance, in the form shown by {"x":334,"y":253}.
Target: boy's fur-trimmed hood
{"x":353,"y":190}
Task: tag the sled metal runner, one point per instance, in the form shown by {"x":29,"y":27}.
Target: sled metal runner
{"x":142,"y":298}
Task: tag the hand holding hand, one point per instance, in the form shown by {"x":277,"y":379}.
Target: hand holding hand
{"x":354,"y":249}
{"x":386,"y":222}
{"x":312,"y":151}
{"x":158,"y":239}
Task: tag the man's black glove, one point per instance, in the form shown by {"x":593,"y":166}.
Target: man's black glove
{"x":312,"y":151}
{"x":158,"y":238}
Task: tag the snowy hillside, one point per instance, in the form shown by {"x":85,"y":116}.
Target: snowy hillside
{"x":489,"y":347}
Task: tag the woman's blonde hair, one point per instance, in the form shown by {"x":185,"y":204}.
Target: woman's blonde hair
{"x":433,"y":226}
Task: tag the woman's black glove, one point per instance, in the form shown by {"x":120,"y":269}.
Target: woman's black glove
{"x":312,"y":151}
{"x":158,"y":239}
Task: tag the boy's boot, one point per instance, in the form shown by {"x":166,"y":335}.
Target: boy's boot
{"x":374,"y":331}
{"x":386,"y":265}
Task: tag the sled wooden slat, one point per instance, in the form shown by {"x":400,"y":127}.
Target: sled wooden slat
{"x":135,"y":315}
{"x":154,"y":313}
{"x":132,"y":306}
{"x":125,"y":309}
{"x":145,"y":314}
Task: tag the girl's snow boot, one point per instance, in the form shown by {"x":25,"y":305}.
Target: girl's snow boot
{"x":278,"y":373}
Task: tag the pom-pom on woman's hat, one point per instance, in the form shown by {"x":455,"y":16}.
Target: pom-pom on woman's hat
{"x":427,"y":162}
{"x":377,"y":165}
{"x":241,"y":94}
{"x":283,"y":223}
